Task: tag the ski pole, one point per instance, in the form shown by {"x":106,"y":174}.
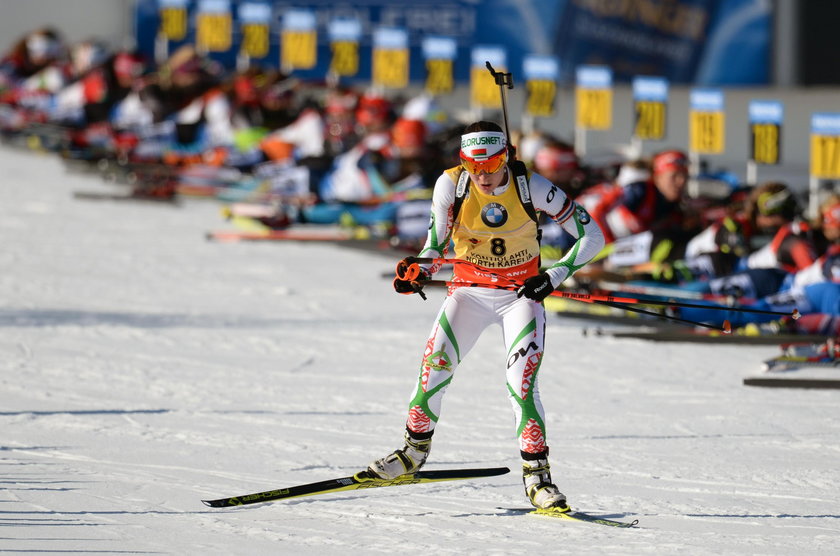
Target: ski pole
{"x":667,"y":303}
{"x":726,"y":328}
{"x":669,"y":292}
{"x":414,"y":271}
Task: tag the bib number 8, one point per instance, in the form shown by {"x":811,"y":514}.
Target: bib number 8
{"x":497,"y":246}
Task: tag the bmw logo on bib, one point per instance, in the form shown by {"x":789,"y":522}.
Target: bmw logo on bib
{"x":494,"y":215}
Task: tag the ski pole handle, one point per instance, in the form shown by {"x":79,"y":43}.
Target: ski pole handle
{"x":408,"y":272}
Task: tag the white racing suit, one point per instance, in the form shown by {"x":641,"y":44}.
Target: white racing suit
{"x":495,"y":232}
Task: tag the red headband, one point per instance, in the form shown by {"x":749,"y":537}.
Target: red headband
{"x":831,"y":216}
{"x":551,"y":158}
{"x":670,"y":160}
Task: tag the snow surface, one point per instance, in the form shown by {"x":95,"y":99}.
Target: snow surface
{"x":144,"y":368}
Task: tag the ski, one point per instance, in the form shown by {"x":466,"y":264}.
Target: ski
{"x":802,"y":356}
{"x":703,"y":337}
{"x":575,"y":515}
{"x":784,"y":364}
{"x":815,"y":383}
{"x":328,"y":235}
{"x":102,"y":196}
{"x":361,"y":480}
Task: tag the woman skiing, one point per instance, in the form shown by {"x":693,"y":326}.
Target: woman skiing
{"x":490,"y":218}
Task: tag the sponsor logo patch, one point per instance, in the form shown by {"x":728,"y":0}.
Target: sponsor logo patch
{"x":494,"y":215}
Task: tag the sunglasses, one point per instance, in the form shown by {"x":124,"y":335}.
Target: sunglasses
{"x":489,"y":165}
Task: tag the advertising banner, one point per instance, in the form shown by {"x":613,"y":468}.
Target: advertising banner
{"x":698,"y":42}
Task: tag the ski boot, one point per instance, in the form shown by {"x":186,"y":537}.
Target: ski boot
{"x":407,"y":460}
{"x":536,"y":475}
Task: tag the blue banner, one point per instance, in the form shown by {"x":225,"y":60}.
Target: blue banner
{"x":540,"y":68}
{"x":697,"y":42}
{"x":825,"y":123}
{"x":702,"y":42}
{"x":651,"y":89}
{"x":439,"y":48}
{"x":766,"y":112}
{"x":706,"y":100}
{"x":593,"y":77}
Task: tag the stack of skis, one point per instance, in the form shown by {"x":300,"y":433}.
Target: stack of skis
{"x":806,"y":360}
{"x":802,"y":365}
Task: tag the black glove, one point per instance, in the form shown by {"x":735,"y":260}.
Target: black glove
{"x":536,"y":287}
{"x":409,"y":278}
{"x":407,"y":286}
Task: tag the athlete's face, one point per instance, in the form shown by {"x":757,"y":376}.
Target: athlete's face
{"x":769,"y":222}
{"x":832,"y":234}
{"x":488,"y":183}
{"x":831,"y":222}
{"x":671,"y":183}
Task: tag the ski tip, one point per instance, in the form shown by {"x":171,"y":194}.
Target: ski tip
{"x":727,"y":327}
{"x":494,"y":471}
{"x":575,"y":515}
{"x":796,"y":314}
{"x":448,"y":474}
